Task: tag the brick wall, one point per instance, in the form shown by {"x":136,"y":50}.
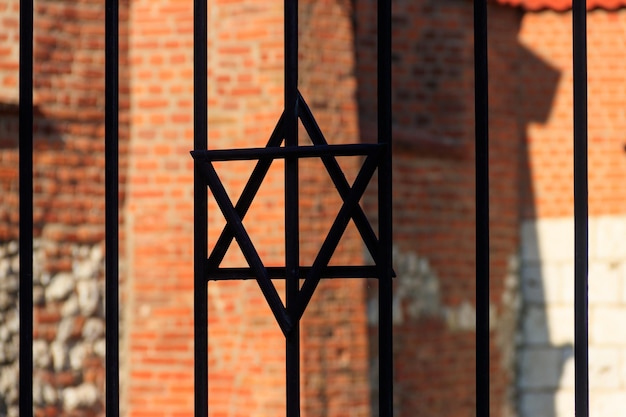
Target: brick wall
{"x":334,"y":342}
{"x":158,"y":372}
{"x":245,"y":100}
{"x":434,"y":188}
{"x":9,"y":50}
{"x":246,"y":352}
{"x":550,"y":142}
{"x":156,"y":229}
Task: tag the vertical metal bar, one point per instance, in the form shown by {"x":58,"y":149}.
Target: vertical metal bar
{"x":481,"y":97}
{"x":581,"y":239}
{"x":26,"y":208}
{"x":292,"y":225}
{"x":201,"y":366}
{"x":385,"y":233}
{"x":111,"y":118}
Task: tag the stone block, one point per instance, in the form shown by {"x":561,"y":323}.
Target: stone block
{"x":530,"y":244}
{"x":84,"y":269}
{"x":604,"y":283}
{"x":548,"y":240}
{"x":540,"y":368}
{"x":41,"y":354}
{"x":560,"y":324}
{"x":5,"y":268}
{"x":621,"y":273}
{"x":99,"y":348}
{"x":88,"y":297}
{"x":606,"y":237}
{"x":50,"y":395}
{"x":567,"y":280}
{"x":38,"y":399}
{"x":622,"y":368}
{"x":552,"y":325}
{"x":77,"y":356}
{"x":604,"y":369}
{"x":70,"y":306}
{"x":543,"y":282}
{"x":532,"y":283}
{"x":564,"y":403}
{"x":606,"y":326}
{"x":58,"y":352}
{"x":534,"y":404}
{"x":568,"y":375}
{"x":61,"y":286}
{"x":535,"y":326}
{"x":607,"y":403}
{"x":547,"y":404}
{"x":93,"y":329}
{"x":65,"y":329}
{"x":82,"y":396}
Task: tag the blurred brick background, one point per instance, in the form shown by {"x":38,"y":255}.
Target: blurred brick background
{"x":434,"y":310}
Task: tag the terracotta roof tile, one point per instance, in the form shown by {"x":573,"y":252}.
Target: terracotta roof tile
{"x":561,"y":5}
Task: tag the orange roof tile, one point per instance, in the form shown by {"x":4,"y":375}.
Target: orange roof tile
{"x":561,"y":5}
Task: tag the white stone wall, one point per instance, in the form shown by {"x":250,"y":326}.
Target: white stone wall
{"x":62,"y":380}
{"x":545,"y":381}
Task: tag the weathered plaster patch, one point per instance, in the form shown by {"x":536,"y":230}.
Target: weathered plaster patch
{"x":417,"y":294}
{"x":417,"y":287}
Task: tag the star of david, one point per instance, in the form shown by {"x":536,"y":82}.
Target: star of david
{"x":234,"y":214}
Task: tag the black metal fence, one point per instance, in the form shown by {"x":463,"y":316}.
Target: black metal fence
{"x":378,"y":156}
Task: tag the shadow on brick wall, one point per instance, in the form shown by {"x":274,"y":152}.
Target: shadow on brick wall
{"x":541,"y":352}
{"x":434,"y":207}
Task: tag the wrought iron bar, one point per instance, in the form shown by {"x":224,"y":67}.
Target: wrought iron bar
{"x":26,"y":208}
{"x":111,"y":118}
{"x":292,"y":212}
{"x":385,"y":209}
{"x":481,"y":97}
{"x":200,"y":126}
{"x":581,"y":212}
